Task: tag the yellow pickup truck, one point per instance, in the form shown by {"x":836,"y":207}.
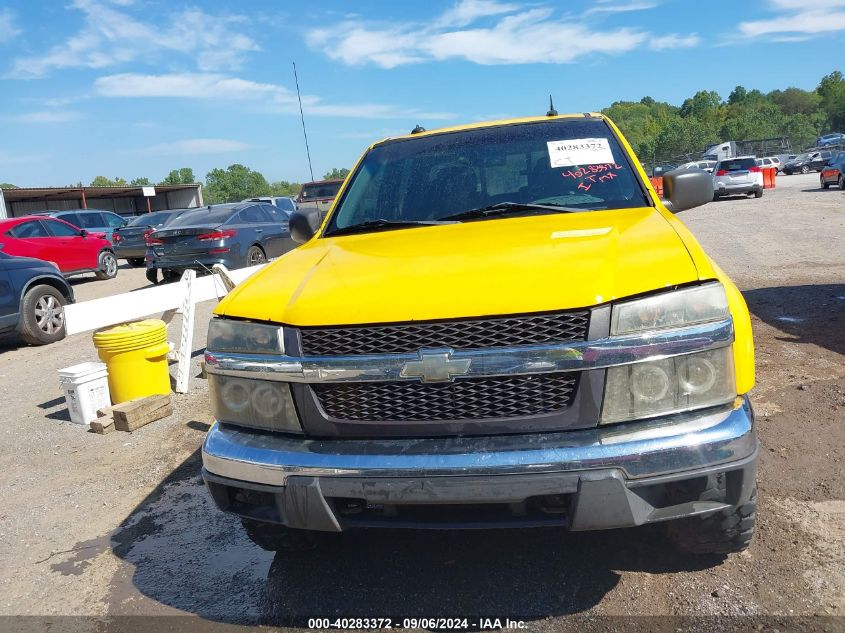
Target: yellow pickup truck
{"x":498,"y":324}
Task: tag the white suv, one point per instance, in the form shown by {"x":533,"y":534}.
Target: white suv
{"x":739,"y":175}
{"x":769,"y":161}
{"x":706,"y":165}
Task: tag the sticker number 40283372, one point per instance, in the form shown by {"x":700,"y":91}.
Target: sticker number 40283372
{"x":579,"y":151}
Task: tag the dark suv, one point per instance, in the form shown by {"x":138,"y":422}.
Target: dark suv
{"x":91,"y":220}
{"x":33,"y":294}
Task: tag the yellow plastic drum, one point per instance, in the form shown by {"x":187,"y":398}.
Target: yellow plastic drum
{"x":136,"y":356}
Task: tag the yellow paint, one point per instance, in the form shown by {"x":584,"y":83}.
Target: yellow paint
{"x":492,"y":267}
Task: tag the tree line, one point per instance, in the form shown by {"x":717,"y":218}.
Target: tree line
{"x":659,"y":130}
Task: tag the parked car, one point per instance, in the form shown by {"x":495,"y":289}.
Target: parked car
{"x":91,"y":220}
{"x":285,"y":203}
{"x":659,"y":170}
{"x":739,"y":175}
{"x":235,"y":235}
{"x":830,"y":139}
{"x":318,"y":195}
{"x":33,"y":294}
{"x":130,"y":241}
{"x":74,"y":251}
{"x":807,"y":162}
{"x":706,"y":165}
{"x":783,"y":159}
{"x":498,"y":325}
{"x":833,"y":172}
{"x":769,"y":162}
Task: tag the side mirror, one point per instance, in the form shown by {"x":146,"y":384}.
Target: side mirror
{"x":686,"y":188}
{"x":303,"y":224}
{"x":83,"y":233}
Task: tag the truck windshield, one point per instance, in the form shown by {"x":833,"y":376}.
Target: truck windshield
{"x":575,"y":163}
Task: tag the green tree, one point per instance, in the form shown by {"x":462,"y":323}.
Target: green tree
{"x":7,"y":185}
{"x":831,"y":89}
{"x":794,"y":101}
{"x":701,"y":103}
{"x":738,"y":95}
{"x":182,"y":176}
{"x":284,"y":188}
{"x":140,"y":182}
{"x":234,"y":183}
{"x":102,"y":181}
{"x":336,"y":173}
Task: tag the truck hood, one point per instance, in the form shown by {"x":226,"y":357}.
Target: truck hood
{"x":489,"y":267}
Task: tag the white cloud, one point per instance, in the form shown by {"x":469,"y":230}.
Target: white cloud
{"x":673,"y":40}
{"x":112,"y":35}
{"x":797,"y":20}
{"x":483,"y":32}
{"x":613,"y":6}
{"x":8,"y":29}
{"x":468,"y":11}
{"x":47,"y":116}
{"x":266,"y":97}
{"x":197,"y":146}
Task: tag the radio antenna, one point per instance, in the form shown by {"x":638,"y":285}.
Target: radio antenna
{"x":302,"y":118}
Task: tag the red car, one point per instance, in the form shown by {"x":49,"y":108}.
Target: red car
{"x":73,"y":250}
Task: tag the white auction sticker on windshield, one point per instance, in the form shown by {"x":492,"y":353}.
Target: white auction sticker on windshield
{"x":580,"y":151}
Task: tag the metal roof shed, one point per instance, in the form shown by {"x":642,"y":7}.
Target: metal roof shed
{"x":122,"y":200}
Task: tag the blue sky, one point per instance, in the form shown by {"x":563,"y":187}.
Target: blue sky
{"x":135,"y":88}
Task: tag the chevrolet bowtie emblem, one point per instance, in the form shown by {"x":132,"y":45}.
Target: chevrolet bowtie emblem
{"x":435,"y":366}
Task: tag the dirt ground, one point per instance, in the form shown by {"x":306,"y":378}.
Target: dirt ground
{"x":120,"y":525}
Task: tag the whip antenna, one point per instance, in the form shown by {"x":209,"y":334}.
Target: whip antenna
{"x":302,"y":118}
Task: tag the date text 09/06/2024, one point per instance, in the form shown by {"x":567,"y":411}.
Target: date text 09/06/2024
{"x":463,"y":624}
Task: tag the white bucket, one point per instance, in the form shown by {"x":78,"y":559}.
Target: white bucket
{"x":86,"y":390}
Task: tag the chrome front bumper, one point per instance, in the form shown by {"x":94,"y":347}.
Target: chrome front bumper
{"x":639,"y":449}
{"x":616,"y":476}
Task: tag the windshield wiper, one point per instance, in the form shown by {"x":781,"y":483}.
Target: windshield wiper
{"x":372,"y":225}
{"x":503,"y":208}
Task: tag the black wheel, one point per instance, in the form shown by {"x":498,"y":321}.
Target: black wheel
{"x":42,"y":317}
{"x":715,"y":196}
{"x":723,"y":532}
{"x":135,"y":262}
{"x":805,"y":169}
{"x":152,"y":275}
{"x":841,"y":183}
{"x":170,"y":275}
{"x":758,"y":193}
{"x":255,"y":256}
{"x":278,"y":538}
{"x":108,"y":266}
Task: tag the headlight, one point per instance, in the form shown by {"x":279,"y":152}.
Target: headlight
{"x":243,"y":337}
{"x":670,"y":309}
{"x":670,"y":385}
{"x":260,"y":404}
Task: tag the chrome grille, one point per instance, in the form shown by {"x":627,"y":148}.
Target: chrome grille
{"x":463,"y":399}
{"x":467,"y":334}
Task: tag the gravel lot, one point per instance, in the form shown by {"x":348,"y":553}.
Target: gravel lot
{"x":120,"y":524}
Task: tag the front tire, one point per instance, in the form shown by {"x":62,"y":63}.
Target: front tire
{"x":805,"y":169}
{"x":107,"y":266}
{"x":42,"y":319}
{"x":278,"y":538}
{"x":724,"y":532}
{"x":841,"y":183}
{"x":758,"y":193}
